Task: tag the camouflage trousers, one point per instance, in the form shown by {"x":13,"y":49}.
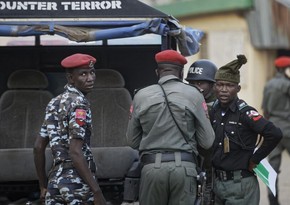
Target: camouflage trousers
{"x":67,"y":187}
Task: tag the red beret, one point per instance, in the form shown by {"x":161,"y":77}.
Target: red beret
{"x":282,"y":62}
{"x":78,"y":60}
{"x":170,"y":57}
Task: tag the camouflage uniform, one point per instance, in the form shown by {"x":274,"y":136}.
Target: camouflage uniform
{"x":68,"y":116}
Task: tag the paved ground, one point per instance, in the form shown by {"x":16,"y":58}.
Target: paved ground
{"x":284,"y":183}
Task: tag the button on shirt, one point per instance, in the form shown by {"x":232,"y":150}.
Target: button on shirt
{"x":151,"y":128}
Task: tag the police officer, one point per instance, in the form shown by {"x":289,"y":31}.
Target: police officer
{"x":202,"y":74}
{"x":237,"y":126}
{"x":166,"y":127}
{"x":276,"y":107}
{"x":67,"y":128}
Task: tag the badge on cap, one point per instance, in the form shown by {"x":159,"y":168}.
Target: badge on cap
{"x":80,"y":116}
{"x":91,"y":64}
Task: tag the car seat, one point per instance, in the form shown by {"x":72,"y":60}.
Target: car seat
{"x":110,"y":105}
{"x":22,"y":110}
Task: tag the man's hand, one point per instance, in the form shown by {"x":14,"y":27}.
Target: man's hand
{"x":252,"y":165}
{"x":42,"y":195}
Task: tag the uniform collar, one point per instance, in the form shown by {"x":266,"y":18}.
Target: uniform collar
{"x":280,"y":75}
{"x":232,"y":107}
{"x":73,"y":89}
{"x":167,"y":78}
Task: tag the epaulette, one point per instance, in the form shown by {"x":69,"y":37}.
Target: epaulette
{"x":138,"y":89}
{"x":242,"y":105}
{"x":215,"y":103}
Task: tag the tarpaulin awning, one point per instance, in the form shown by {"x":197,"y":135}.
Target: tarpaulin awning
{"x":96,"y":25}
{"x":187,"y":38}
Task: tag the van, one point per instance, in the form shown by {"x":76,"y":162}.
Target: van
{"x":124,"y":36}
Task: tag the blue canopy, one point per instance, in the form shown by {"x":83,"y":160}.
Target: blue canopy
{"x":187,"y":38}
{"x":85,"y":21}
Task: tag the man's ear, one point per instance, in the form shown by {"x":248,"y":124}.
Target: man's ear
{"x":156,"y":72}
{"x":239,"y":88}
{"x":69,"y":78}
{"x":181,"y":74}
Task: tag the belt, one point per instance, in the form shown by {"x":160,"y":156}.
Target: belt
{"x":167,"y":157}
{"x":229,"y":175}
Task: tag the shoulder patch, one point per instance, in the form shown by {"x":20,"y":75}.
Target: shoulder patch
{"x":131,"y":111}
{"x":254,"y":115}
{"x":80,"y":115}
{"x":205,"y":108}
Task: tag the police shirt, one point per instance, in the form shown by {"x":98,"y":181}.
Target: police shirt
{"x":67,"y":116}
{"x":151,"y":128}
{"x":241,"y":124}
{"x":276,"y":102}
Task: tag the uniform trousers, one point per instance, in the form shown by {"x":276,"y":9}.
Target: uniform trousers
{"x":243,"y":191}
{"x":168,"y":183}
{"x":68,"y":188}
{"x":275,"y":158}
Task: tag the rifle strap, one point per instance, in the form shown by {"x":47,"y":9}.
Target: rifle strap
{"x":167,"y":103}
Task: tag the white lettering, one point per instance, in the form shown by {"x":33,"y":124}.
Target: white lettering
{"x":116,"y":4}
{"x":105,"y":4}
{"x":75,"y":6}
{"x":11,"y":7}
{"x":51,"y":6}
{"x":85,"y":5}
{"x":41,"y":6}
{"x":91,"y":5}
{"x":66,"y":5}
{"x":196,"y":70}
{"x":32,"y":5}
{"x":96,"y":5}
{"x":22,"y":6}
{"x":2,"y":5}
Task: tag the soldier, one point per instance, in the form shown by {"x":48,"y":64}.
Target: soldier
{"x":168,"y":120}
{"x":67,"y":128}
{"x":237,"y":126}
{"x":276,"y":106}
{"x":201,"y":74}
